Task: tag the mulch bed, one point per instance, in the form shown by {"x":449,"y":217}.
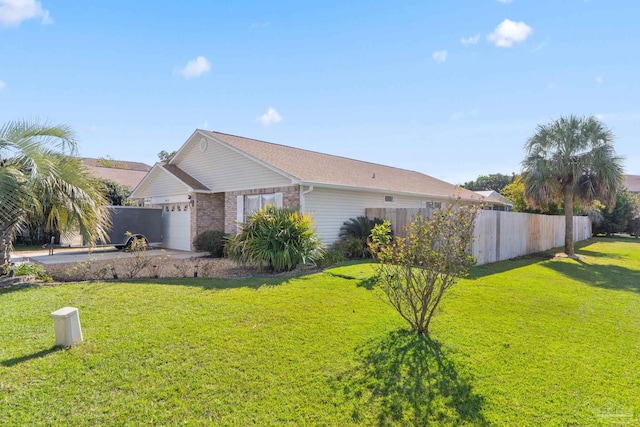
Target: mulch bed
{"x":159,"y":267}
{"x":144,"y":267}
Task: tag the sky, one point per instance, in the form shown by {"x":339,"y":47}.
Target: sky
{"x":452,"y":89}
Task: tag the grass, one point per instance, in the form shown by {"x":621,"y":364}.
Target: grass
{"x":526,"y":342}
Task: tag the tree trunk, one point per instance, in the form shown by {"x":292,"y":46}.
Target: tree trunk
{"x":5,"y":247}
{"x":568,"y":221}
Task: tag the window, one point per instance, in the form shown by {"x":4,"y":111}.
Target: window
{"x":389,"y":199}
{"x":258,"y":201}
{"x":433,"y":205}
{"x":250,"y":203}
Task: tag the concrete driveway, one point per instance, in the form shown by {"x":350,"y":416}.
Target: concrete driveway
{"x":75,"y":255}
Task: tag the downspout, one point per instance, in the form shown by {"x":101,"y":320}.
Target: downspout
{"x":302,"y":194}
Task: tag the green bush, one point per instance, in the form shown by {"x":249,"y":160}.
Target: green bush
{"x":28,"y":269}
{"x":278,"y":239}
{"x":211,"y":241}
{"x":354,"y":236}
{"x":334,"y":255}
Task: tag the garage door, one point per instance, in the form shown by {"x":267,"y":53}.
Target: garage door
{"x":176,"y":226}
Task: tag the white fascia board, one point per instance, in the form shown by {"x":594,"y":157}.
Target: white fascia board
{"x":383,"y":191}
{"x":146,"y":178}
{"x":158,"y":166}
{"x":182,"y":147}
{"x":189,"y":188}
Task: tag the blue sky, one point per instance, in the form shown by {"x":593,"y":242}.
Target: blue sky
{"x":449,"y":88}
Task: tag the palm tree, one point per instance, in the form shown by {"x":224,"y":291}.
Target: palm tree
{"x":571,"y":160}
{"x":40,"y":180}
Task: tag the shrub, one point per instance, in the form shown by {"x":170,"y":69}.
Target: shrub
{"x":277,"y":239}
{"x":211,"y":241}
{"x":415,"y":271}
{"x":355,"y":233}
{"x":334,"y":255}
{"x":28,"y":269}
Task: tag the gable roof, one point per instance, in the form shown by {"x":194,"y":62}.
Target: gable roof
{"x":174,"y":173}
{"x":495,"y":197}
{"x":124,"y":173}
{"x":187,"y":179}
{"x":314,"y":168}
{"x":632,"y":183}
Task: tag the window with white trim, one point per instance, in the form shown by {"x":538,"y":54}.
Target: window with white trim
{"x":250,"y":203}
{"x":389,"y":199}
{"x":434,"y":205}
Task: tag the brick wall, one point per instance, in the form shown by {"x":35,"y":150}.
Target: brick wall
{"x":290,"y":199}
{"x":208,"y":213}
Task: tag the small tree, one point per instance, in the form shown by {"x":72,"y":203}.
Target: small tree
{"x":620,"y":218}
{"x":116,"y":193}
{"x":276,"y":238}
{"x":165,"y":156}
{"x":494,"y":181}
{"x":415,"y":271}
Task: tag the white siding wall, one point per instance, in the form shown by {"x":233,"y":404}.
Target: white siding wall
{"x":161,"y":184}
{"x":222,"y":169}
{"x":330,"y":208}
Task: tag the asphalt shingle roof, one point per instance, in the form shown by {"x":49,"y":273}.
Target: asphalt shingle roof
{"x":632,"y":182}
{"x":184,"y":177}
{"x":125,"y":173}
{"x":319,"y":168}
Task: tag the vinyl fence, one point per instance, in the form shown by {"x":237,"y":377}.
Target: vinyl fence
{"x":500,"y":235}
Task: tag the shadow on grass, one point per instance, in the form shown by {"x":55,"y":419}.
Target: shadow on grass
{"x":603,"y":276}
{"x":252,"y":282}
{"x":407,"y":379}
{"x":526,"y":260}
{"x":16,"y":360}
{"x":369,"y":283}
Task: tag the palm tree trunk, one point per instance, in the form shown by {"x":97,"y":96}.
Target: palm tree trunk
{"x":5,"y":247}
{"x":568,"y":220}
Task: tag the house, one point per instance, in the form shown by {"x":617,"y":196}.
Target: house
{"x":495,"y":201}
{"x":124,"y":173}
{"x":632,"y":183}
{"x":215,"y":179}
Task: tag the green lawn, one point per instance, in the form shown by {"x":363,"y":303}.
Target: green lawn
{"x":526,"y":342}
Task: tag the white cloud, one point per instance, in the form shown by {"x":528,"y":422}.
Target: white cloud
{"x":439,"y":56}
{"x":599,"y":80}
{"x":196,"y":68}
{"x":270,"y":117}
{"x":2,"y":85}
{"x":13,"y":12}
{"x":505,"y":1}
{"x":509,"y":32}
{"x":470,"y":40}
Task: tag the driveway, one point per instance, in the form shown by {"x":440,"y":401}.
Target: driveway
{"x":75,"y":255}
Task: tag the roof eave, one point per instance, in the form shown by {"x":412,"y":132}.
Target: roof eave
{"x":158,"y":166}
{"x":387,"y":191}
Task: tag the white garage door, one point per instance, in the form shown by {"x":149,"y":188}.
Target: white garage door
{"x":176,"y":226}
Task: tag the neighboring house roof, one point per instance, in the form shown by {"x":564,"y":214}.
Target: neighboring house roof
{"x":125,"y":173}
{"x":494,"y":196}
{"x":632,"y":183}
{"x":314,"y":168}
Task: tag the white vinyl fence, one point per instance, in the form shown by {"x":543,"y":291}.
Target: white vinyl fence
{"x":501,"y":235}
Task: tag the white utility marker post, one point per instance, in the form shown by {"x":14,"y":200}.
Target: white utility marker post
{"x":67,"y":325}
